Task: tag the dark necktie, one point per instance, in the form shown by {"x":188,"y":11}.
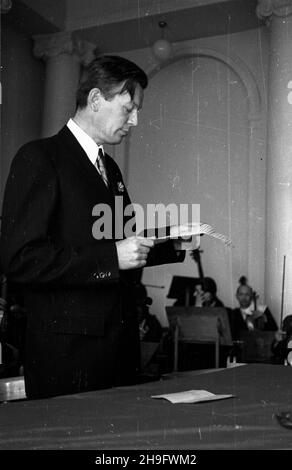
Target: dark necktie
{"x":101,"y":167}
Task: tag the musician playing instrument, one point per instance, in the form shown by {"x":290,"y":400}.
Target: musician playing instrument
{"x":282,"y":341}
{"x":205,"y":294}
{"x":250,"y":315}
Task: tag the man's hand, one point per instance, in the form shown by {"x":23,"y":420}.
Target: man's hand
{"x":279,"y":336}
{"x":200,"y":296}
{"x":133,"y":252}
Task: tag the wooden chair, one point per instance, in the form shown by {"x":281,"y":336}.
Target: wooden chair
{"x":200,"y":326}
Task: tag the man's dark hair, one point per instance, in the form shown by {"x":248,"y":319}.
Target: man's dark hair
{"x":243,"y":282}
{"x":107,"y":72}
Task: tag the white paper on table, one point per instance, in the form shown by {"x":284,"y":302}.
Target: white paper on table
{"x":192,"y":396}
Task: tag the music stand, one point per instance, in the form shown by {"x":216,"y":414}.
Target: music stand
{"x":183,"y":287}
{"x":223,"y":325}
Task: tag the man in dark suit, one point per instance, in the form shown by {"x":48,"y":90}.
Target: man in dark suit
{"x":249,"y":317}
{"x":76,"y":282}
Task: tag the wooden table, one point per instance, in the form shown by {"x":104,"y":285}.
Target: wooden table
{"x":128,"y":418}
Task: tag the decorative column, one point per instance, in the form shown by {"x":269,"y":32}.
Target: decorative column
{"x":64,"y":55}
{"x":278,"y":16}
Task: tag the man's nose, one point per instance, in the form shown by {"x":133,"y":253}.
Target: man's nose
{"x":133,"y":118}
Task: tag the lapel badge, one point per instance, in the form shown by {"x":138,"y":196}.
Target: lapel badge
{"x":121,"y":187}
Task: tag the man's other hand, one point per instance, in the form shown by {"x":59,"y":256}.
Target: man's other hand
{"x":133,"y":252}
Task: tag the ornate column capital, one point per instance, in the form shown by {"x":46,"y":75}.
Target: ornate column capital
{"x":266,"y":8}
{"x":6,"y":6}
{"x":52,"y":45}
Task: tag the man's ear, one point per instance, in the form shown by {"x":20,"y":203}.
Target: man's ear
{"x":94,"y":97}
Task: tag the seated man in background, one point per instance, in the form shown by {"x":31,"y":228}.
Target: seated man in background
{"x":195,"y":355}
{"x":149,"y":326}
{"x":246,"y":322}
{"x":12,"y":328}
{"x":249,"y":317}
{"x":153,"y":350}
{"x":205,"y":295}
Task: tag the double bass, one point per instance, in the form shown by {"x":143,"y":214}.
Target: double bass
{"x":196,"y":256}
{"x":199,"y":293}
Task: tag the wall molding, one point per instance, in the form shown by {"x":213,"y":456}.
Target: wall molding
{"x":256,"y":179}
{"x":232,"y":61}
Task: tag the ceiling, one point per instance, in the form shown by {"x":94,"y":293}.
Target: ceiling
{"x":121,"y":25}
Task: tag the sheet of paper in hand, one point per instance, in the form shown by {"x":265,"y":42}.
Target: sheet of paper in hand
{"x":191,"y":231}
{"x":192,"y":396}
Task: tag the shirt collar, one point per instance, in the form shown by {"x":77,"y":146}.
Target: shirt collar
{"x":87,"y":143}
{"x":247,"y":311}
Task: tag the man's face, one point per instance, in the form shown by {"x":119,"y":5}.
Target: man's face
{"x":244,"y":296}
{"x":117,"y":115}
{"x":208,"y":296}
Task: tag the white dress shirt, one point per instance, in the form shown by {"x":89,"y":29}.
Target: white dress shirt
{"x":86,"y":142}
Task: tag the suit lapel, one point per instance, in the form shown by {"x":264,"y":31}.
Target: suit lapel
{"x":78,"y":157}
